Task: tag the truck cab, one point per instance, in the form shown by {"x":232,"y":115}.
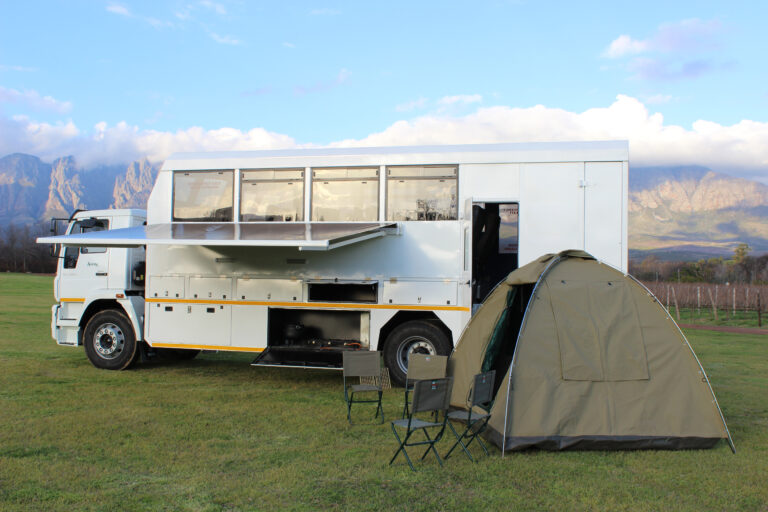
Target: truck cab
{"x":91,"y":280}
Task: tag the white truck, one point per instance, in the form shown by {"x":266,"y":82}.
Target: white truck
{"x":298,"y":255}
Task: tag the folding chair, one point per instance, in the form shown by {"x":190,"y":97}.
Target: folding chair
{"x":481,"y":396}
{"x":362,"y":363}
{"x":428,"y":396}
{"x":422,"y":367}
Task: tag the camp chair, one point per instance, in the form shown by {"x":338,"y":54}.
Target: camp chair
{"x":421,"y":367}
{"x":428,"y":396}
{"x":362,"y":363}
{"x":480,"y":395}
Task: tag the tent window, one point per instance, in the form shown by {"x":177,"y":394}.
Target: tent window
{"x":598,"y":331}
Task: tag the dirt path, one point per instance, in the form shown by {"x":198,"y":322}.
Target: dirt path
{"x":724,"y":328}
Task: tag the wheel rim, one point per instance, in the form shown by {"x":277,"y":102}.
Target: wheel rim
{"x":108,"y":341}
{"x":413,"y":345}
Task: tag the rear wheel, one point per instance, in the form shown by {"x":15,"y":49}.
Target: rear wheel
{"x":109,"y":340}
{"x":414,"y":337}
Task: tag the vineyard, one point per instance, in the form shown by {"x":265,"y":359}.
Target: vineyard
{"x":736,"y":304}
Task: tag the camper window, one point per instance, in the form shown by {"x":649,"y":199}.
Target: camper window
{"x":422,"y":193}
{"x":345,"y":194}
{"x":272,"y":195}
{"x":203,"y":196}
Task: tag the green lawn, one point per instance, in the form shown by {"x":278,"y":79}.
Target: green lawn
{"x":217,"y":434}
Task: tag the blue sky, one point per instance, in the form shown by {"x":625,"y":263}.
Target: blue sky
{"x":683,"y":81}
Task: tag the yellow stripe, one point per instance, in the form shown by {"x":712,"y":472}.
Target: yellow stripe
{"x":308,"y":304}
{"x":206,"y":347}
{"x":70,"y":299}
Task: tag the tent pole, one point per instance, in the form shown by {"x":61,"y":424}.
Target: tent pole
{"x":556,"y":259}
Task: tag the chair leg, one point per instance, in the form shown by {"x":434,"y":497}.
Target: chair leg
{"x":460,"y":441}
{"x":402,"y":447}
{"x":379,"y":408}
{"x":349,"y":408}
{"x":431,"y":447}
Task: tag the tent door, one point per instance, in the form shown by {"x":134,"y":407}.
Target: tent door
{"x":494,"y":246}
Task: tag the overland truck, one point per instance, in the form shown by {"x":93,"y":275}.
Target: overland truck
{"x":299,"y":255}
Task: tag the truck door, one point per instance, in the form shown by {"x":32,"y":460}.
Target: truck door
{"x":494,"y":246}
{"x":83,"y":269}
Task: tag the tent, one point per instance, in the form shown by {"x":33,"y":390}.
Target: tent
{"x":585,"y":358}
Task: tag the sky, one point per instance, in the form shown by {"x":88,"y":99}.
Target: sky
{"x":111,"y":81}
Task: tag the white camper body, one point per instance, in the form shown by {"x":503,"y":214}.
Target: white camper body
{"x":300,"y":254}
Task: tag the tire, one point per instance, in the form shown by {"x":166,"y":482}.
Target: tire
{"x":110,"y":343}
{"x":416,"y":336}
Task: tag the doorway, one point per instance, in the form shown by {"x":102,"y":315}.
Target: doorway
{"x":494,"y":246}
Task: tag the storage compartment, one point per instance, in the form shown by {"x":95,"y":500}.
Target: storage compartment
{"x":210,"y":287}
{"x":313,"y":338}
{"x":279,"y":290}
{"x":343,"y":292}
{"x":166,"y":286}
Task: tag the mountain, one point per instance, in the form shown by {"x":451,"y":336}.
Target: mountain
{"x":24,"y":181}
{"x":685,"y":212}
{"x":31,"y":190}
{"x":693,"y":212}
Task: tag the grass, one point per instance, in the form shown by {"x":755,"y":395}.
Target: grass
{"x":705,"y":316}
{"x":217,"y":434}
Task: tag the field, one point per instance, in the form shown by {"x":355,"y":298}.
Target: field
{"x":217,"y":434}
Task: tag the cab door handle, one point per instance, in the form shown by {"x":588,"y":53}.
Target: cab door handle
{"x":101,"y":273}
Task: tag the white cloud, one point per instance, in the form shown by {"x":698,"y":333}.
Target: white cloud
{"x":34,"y":100}
{"x":658,"y":99}
{"x":742,"y":146}
{"x":625,"y":45}
{"x":214,"y":6}
{"x":686,"y":36}
{"x":412,"y":105}
{"x":119,"y":9}
{"x":675,"y":51}
{"x":225,"y":39}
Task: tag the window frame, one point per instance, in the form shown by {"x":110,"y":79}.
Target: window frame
{"x":201,"y":171}
{"x":388,"y":177}
{"x":376,"y":178}
{"x":302,"y":180}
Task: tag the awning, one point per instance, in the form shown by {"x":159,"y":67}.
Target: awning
{"x":306,"y":236}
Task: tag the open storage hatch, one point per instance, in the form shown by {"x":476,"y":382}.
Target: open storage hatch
{"x":306,"y":338}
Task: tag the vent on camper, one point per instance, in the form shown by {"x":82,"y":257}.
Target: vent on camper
{"x":343,"y":292}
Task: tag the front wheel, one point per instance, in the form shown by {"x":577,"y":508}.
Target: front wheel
{"x":414,"y":337}
{"x":109,"y":340}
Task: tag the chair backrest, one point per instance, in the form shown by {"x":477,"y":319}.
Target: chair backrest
{"x":482,"y":390}
{"x":432,"y":395}
{"x":426,"y":366}
{"x":361,"y":363}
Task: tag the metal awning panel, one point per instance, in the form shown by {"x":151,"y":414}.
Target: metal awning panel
{"x":306,"y":236}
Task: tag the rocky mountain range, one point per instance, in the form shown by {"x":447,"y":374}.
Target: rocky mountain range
{"x":692,"y":212}
{"x":32,"y":190}
{"x":683,"y":212}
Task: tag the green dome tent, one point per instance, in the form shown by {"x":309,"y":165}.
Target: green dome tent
{"x":585,"y":358}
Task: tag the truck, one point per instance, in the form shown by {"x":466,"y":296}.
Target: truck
{"x":298,"y":255}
